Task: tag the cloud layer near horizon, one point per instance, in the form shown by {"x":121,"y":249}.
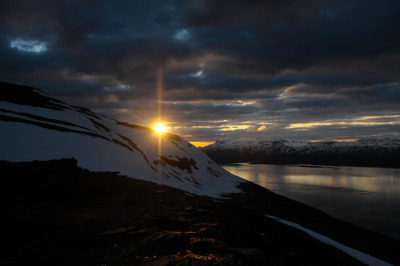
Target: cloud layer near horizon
{"x":290,"y":69}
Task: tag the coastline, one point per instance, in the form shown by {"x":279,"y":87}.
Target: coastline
{"x":308,"y":164}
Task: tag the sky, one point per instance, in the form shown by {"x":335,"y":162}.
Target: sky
{"x":309,"y":70}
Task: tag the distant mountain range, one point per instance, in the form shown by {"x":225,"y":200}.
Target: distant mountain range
{"x":34,"y":126}
{"x":363,"y":152}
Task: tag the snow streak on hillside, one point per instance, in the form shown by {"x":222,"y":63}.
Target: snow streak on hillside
{"x":34,"y":126}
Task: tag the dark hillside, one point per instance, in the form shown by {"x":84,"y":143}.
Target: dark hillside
{"x":55,"y":213}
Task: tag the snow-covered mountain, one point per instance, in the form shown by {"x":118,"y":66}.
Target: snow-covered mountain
{"x":367,"y":152}
{"x":34,"y":126}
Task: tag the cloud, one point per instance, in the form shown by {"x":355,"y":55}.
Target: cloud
{"x":182,"y":35}
{"x":382,"y":93}
{"x":29,"y":46}
{"x":253,"y":67}
{"x":218,"y":13}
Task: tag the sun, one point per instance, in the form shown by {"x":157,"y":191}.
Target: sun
{"x":160,"y":128}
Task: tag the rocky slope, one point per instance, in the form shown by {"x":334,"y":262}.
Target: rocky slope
{"x":363,"y":152}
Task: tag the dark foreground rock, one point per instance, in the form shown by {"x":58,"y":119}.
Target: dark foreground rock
{"x":55,"y":213}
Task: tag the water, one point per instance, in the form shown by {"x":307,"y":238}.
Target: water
{"x":368,"y":197}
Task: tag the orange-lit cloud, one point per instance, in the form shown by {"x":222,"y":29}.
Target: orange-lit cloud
{"x":359,"y":121}
{"x":201,"y":143}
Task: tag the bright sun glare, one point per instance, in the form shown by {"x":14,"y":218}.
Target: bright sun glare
{"x":160,"y":128}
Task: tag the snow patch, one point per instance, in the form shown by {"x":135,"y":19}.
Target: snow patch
{"x":364,"y":258}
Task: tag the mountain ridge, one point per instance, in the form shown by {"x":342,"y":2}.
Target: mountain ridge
{"x":363,"y":152}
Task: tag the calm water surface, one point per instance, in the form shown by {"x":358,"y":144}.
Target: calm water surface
{"x":368,"y":197}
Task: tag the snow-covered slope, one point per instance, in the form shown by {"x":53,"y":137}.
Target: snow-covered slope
{"x":296,"y":151}
{"x":34,"y":126}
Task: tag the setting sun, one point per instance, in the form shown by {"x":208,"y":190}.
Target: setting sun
{"x":160,"y":128}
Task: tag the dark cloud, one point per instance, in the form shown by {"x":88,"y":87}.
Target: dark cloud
{"x":384,"y":93}
{"x":253,"y":13}
{"x":340,"y":31}
{"x":230,"y":68}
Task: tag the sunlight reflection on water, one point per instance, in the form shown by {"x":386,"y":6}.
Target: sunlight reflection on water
{"x":369,"y":197}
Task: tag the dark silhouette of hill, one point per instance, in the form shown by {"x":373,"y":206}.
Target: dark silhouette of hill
{"x":55,"y":213}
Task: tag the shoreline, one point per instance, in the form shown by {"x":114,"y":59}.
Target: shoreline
{"x":334,"y":166}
